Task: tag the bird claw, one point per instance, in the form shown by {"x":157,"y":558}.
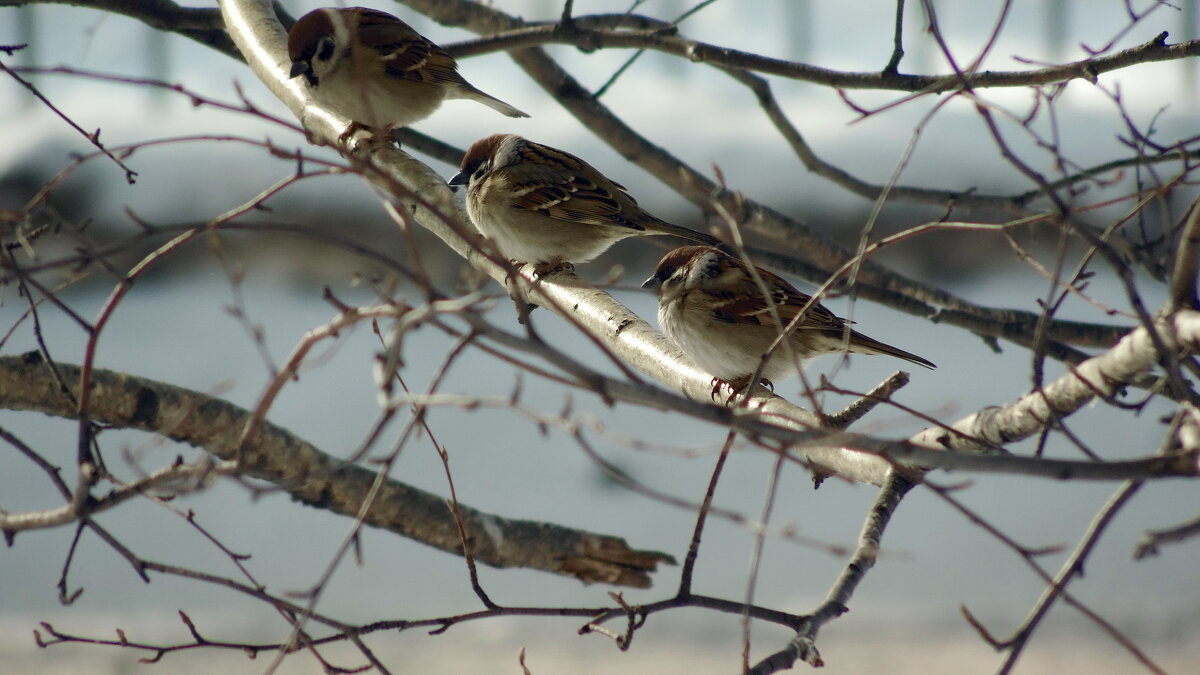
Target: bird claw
{"x":373,"y":138}
{"x":717,"y":383}
{"x":351,"y":129}
{"x":737,"y":386}
{"x":553,"y":266}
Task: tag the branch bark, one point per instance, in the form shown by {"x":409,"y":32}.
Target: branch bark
{"x":1100,"y":376}
{"x":321,"y":480}
{"x":802,"y":646}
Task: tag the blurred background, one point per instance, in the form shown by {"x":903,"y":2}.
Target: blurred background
{"x":181,"y":325}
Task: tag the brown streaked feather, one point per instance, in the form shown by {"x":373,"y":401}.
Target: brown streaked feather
{"x":701,"y":285}
{"x":577,"y":199}
{"x":423,"y":61}
{"x":746,"y":302}
{"x":408,"y":54}
{"x":788,"y":303}
{"x":564,"y":161}
{"x":553,"y":157}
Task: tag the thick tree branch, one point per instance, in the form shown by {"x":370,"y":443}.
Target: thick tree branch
{"x":1100,"y":376}
{"x":625,"y":334}
{"x":632,"y":31}
{"x":318,"y":479}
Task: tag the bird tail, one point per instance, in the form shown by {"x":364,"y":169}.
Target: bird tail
{"x":864,"y":345}
{"x":490,"y":101}
{"x":690,"y":234}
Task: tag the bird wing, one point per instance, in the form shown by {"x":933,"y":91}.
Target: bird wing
{"x":562,"y":192}
{"x":745,"y":303}
{"x":406,"y":53}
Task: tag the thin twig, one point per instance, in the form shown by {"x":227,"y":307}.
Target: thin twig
{"x":802,"y":646}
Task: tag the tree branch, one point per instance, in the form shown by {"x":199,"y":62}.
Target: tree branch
{"x":204,"y":25}
{"x":1100,"y":376}
{"x":318,"y":479}
{"x":802,"y":646}
{"x":593,"y":32}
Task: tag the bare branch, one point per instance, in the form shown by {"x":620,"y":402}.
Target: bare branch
{"x":1187,"y":262}
{"x":508,"y":34}
{"x":180,"y":478}
{"x":1149,"y":544}
{"x":204,"y":25}
{"x":1072,"y":568}
{"x":92,"y":137}
{"x":802,"y":646}
{"x":1100,"y":376}
{"x":315,"y":478}
{"x":865,"y":404}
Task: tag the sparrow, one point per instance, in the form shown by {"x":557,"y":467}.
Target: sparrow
{"x":548,"y":207}
{"x":711,"y":307}
{"x":375,"y":69}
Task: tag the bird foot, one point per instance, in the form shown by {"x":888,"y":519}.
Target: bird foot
{"x":737,"y":386}
{"x":374,"y":137}
{"x":552,"y":266}
{"x":353,"y":128}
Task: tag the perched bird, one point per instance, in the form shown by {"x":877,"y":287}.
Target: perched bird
{"x":548,"y":207}
{"x":712,"y":308}
{"x":375,"y":69}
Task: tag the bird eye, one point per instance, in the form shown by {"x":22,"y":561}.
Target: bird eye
{"x":325,"y":49}
{"x":479,"y":173}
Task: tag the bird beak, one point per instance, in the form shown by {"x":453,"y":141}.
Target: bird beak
{"x":460,"y":178}
{"x":299,"y":68}
{"x":653,"y":282}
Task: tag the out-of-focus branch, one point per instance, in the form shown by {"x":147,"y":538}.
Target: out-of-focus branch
{"x":201,"y":24}
{"x":1187,"y":262}
{"x":318,"y":479}
{"x":602,"y":31}
{"x":595,"y":32}
{"x":1149,"y":543}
